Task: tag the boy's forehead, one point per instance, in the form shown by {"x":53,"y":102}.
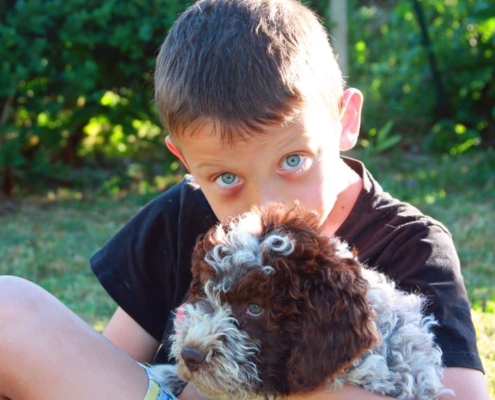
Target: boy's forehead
{"x":231,"y":132}
{"x":226,"y":134}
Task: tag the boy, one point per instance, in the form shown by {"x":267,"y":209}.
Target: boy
{"x":253,"y":100}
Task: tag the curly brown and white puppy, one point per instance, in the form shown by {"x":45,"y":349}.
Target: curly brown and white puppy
{"x":276,"y":308}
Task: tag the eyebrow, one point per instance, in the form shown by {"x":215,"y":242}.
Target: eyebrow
{"x":205,"y":166}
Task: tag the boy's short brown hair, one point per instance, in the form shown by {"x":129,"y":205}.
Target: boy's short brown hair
{"x":243,"y":65}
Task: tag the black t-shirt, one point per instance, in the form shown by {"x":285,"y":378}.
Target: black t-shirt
{"x":145,"y":267}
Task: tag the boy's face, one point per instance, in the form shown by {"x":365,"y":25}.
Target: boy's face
{"x":295,"y":161}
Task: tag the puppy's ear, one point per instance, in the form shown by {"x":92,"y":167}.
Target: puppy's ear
{"x":200,"y":269}
{"x":336,"y":328}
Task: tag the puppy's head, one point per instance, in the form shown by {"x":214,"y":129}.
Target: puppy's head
{"x":298,"y":295}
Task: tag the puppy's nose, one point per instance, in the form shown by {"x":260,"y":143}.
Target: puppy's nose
{"x":193,"y":358}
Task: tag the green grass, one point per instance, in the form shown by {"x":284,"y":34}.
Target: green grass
{"x":50,"y":239}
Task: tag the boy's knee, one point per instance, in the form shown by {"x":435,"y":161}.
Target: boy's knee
{"x":19,"y":299}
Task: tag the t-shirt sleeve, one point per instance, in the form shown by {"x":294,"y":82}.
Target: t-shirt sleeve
{"x":426,"y":261}
{"x":145,"y":267}
{"x":418,"y":253}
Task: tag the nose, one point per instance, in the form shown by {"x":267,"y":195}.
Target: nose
{"x":262,"y":193}
{"x":193,"y":358}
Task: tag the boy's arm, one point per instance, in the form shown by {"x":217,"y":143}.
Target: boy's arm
{"x":347,"y":393}
{"x":466,"y":383}
{"x":128,"y":335}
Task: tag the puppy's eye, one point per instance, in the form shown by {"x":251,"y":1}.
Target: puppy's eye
{"x":255,"y":310}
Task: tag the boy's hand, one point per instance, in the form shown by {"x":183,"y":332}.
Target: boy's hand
{"x":347,"y":393}
{"x":129,"y":336}
{"x":190,"y":393}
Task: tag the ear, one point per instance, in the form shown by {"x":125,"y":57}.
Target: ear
{"x":350,"y":118}
{"x":336,"y":327}
{"x":198,"y":266}
{"x":201,"y":271}
{"x":175,"y":151}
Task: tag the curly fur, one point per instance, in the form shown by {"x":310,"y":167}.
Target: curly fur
{"x":275,"y":308}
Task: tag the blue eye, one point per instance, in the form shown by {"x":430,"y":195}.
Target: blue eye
{"x":293,"y":161}
{"x":227,"y":179}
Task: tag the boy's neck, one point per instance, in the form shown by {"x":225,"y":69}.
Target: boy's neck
{"x":352,"y":185}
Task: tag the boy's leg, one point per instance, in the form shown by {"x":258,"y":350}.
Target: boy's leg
{"x":47,"y":352}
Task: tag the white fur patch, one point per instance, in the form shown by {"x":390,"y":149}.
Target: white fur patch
{"x":242,"y":247}
{"x":342,"y":248}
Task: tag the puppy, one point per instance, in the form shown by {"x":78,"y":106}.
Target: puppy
{"x":275,"y":307}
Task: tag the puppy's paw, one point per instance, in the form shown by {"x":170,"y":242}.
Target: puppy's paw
{"x":167,"y":374}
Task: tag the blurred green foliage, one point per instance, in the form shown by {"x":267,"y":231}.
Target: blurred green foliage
{"x":76,"y":88}
{"x":448,"y":109}
{"x":76,"y":104}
